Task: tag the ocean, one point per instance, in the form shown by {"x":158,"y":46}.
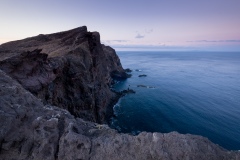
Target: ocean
{"x":187,"y":92}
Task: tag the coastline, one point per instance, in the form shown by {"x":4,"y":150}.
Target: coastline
{"x":71,"y":73}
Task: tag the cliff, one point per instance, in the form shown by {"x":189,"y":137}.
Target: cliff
{"x":70,"y":69}
{"x":53,"y":88}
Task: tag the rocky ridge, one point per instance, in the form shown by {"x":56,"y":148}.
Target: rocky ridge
{"x":41,"y":80}
{"x":70,"y":69}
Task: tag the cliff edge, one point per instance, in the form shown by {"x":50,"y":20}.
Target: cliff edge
{"x":53,"y":88}
{"x":70,"y":69}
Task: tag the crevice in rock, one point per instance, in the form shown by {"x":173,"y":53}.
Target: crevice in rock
{"x":1,"y":143}
{"x":30,"y":150}
{"x":90,"y":150}
{"x":61,"y":127}
{"x":96,"y":111}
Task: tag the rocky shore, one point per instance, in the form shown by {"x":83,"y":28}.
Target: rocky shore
{"x":55,"y":99}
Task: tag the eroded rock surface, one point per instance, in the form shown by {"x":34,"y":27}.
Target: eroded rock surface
{"x":53,"y":88}
{"x":31,"y":130}
{"x":70,"y":69}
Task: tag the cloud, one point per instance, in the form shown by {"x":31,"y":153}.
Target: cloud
{"x":233,"y":40}
{"x":166,"y":47}
{"x":149,"y":31}
{"x":160,"y":47}
{"x":214,"y":41}
{"x":114,"y":41}
{"x":120,"y":41}
{"x":139,"y":36}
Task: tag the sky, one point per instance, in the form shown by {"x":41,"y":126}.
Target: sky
{"x":165,"y":25}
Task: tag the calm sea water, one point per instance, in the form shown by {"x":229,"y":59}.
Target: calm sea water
{"x":187,"y":92}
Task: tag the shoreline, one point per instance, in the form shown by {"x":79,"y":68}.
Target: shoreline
{"x":114,"y":101}
{"x":75,"y":79}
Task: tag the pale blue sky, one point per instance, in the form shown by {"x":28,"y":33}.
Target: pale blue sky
{"x":128,"y":24}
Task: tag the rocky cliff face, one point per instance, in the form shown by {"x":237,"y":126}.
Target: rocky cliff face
{"x":31,"y":130}
{"x":71,"y":70}
{"x":53,"y":88}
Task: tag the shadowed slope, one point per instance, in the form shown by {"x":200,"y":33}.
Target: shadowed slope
{"x":70,"y":69}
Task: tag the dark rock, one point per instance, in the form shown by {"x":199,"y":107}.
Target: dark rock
{"x":142,"y":75}
{"x":70,"y":69}
{"x":120,"y":75}
{"x":140,"y":85}
{"x":127,"y":91}
{"x":138,"y":70}
{"x":144,"y":86}
{"x":30,"y":130}
{"x":128,"y":70}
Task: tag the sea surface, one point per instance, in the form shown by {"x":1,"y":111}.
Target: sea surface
{"x":187,"y":92}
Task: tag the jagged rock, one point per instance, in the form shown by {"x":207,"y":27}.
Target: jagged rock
{"x":128,"y":70}
{"x":119,"y":75}
{"x":70,"y":69}
{"x":31,"y":130}
{"x":127,"y":91}
{"x":144,"y":86}
{"x":142,"y":75}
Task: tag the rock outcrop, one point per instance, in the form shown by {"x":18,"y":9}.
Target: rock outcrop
{"x":53,"y":88}
{"x":70,"y":69}
{"x":31,"y":130}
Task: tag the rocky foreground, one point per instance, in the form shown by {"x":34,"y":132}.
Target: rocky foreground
{"x":55,"y":92}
